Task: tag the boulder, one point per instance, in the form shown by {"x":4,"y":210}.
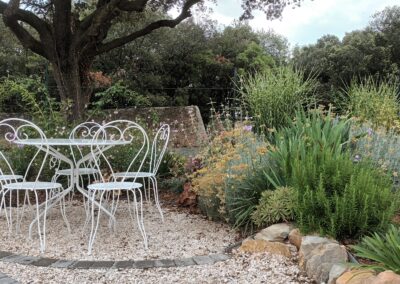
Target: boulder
{"x":295,"y":238}
{"x":275,"y":233}
{"x":308,"y":244}
{"x":318,"y":255}
{"x":336,"y":271}
{"x":387,"y":277}
{"x":254,"y":246}
{"x":357,"y":277}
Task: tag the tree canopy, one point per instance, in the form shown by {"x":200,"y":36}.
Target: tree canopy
{"x":70,"y":34}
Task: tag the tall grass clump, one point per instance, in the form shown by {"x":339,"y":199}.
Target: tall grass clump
{"x":273,"y":95}
{"x":374,"y":101}
{"x":310,"y":135}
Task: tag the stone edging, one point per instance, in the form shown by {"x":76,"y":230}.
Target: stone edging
{"x":5,"y":279}
{"x":122,"y":264}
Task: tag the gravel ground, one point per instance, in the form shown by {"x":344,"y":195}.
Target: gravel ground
{"x":256,"y":268}
{"x":181,"y":235}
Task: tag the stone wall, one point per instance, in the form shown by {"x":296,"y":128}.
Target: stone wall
{"x":187,"y":127}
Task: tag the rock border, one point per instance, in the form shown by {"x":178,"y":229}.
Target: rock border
{"x":111,"y":264}
{"x":5,"y":279}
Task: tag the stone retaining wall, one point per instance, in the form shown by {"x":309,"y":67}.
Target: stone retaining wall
{"x":187,"y":127}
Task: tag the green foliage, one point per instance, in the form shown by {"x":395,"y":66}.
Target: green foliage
{"x":334,"y":195}
{"x":380,"y":145}
{"x":119,"y":95}
{"x":372,"y":51}
{"x":192,"y":63}
{"x":172,"y":166}
{"x":29,"y":95}
{"x":340,"y":199}
{"x":383,"y":249}
{"x":374,"y":101}
{"x":274,"y":95}
{"x":311,"y":135}
{"x":254,"y":58}
{"x":275,"y":206}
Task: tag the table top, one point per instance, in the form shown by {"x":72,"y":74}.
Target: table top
{"x":69,"y":142}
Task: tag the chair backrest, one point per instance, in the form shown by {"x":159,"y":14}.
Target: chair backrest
{"x":18,"y":131}
{"x":158,"y":147}
{"x":5,"y":169}
{"x":85,"y":130}
{"x":120,"y":133}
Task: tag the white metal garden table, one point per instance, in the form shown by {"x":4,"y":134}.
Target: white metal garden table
{"x":54,"y":144}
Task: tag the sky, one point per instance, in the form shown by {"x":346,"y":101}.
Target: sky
{"x":304,"y":25}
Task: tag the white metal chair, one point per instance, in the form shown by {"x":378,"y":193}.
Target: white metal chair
{"x":17,"y":131}
{"x":122,"y":131}
{"x":7,"y":175}
{"x":158,"y":148}
{"x":85,"y":130}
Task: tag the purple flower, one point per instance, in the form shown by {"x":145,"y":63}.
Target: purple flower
{"x":357,"y":158}
{"x":369,"y":131}
{"x":247,"y":128}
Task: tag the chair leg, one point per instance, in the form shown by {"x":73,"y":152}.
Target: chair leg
{"x":94,"y":227}
{"x":63,"y":209}
{"x":3,"y":205}
{"x":140,"y":219}
{"x":114,"y":205}
{"x":156,"y":200}
{"x":130,"y":209}
{"x":41,"y":227}
{"x":147,"y":198}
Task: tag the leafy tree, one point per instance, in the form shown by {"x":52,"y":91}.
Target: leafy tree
{"x":338,"y":62}
{"x":253,"y":58}
{"x":70,"y":34}
{"x":387,"y":24}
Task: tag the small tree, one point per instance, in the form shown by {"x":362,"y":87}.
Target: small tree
{"x":71,"y":33}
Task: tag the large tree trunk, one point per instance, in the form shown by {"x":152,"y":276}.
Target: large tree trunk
{"x":74,"y":87}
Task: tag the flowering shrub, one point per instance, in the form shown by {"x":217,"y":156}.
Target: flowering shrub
{"x":227,"y":162}
{"x":379,"y":145}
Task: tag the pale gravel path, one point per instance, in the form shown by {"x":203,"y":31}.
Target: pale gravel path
{"x":181,"y":235}
{"x":256,"y":268}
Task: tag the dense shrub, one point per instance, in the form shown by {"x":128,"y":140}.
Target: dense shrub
{"x":341,"y":199}
{"x":383,"y":249}
{"x":310,"y":135}
{"x":275,"y":206}
{"x":274,"y":94}
{"x":374,"y":101}
{"x":228,"y":162}
{"x":335,"y":194}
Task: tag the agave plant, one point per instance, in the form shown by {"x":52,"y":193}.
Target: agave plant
{"x":383,"y":249}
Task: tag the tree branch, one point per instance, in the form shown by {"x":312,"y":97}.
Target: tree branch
{"x":185,"y":13}
{"x":132,"y":6}
{"x":11,"y":15}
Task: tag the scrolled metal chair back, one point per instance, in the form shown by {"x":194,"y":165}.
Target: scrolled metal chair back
{"x":85,"y":130}
{"x":120,"y":133}
{"x":17,"y":131}
{"x":158,"y":147}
